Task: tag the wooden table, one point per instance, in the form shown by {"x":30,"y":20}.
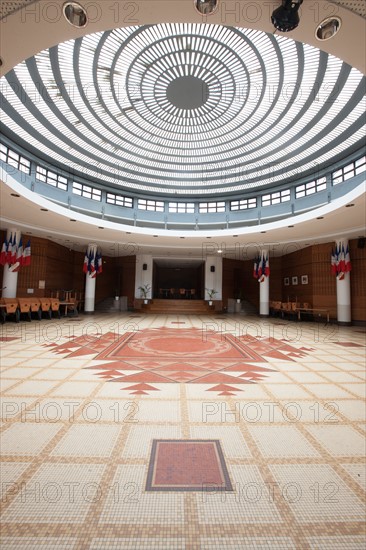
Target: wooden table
{"x":67,"y":305}
{"x":312,"y":310}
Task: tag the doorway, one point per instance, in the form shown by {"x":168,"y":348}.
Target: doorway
{"x":178,"y":279}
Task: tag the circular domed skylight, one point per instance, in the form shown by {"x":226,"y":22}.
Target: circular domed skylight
{"x":187,"y":108}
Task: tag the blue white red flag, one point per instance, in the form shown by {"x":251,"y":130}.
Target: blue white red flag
{"x":9,"y":250}
{"x":348,"y":265}
{"x":86,"y":262}
{"x":27,"y":254}
{"x":3,"y":254}
{"x":18,"y":259}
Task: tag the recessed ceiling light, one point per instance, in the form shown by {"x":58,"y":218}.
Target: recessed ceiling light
{"x":320,"y":218}
{"x":75,"y":14}
{"x":14,"y":195}
{"x":71,"y":220}
{"x":328,"y":28}
{"x":263,"y":231}
{"x":219,"y":251}
{"x":206,"y":7}
{"x":349,"y":205}
{"x":100,"y":227}
{"x":290,"y":226}
{"x":44,"y":209}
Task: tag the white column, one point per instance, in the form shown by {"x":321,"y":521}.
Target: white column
{"x":10,"y":278}
{"x":344,"y":294}
{"x":213,"y":276}
{"x":144,"y":273}
{"x":90,"y":283}
{"x":264,"y":291}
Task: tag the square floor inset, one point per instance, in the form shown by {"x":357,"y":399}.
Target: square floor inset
{"x":187,"y":465}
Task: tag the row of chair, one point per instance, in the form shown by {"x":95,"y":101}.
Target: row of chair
{"x":177,"y":292}
{"x":287,"y":308}
{"x":16,"y":307}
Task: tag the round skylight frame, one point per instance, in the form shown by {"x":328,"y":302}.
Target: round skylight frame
{"x":278,"y":108}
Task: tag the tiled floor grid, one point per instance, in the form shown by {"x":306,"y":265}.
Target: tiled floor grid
{"x":84,"y":405}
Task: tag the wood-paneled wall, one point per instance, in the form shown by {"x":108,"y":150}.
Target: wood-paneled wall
{"x":358,"y":281}
{"x":296,"y":264}
{"x":61,"y":268}
{"x":30,"y":276}
{"x":233,"y":279}
{"x":126,"y":274}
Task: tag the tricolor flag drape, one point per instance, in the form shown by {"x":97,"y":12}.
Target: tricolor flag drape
{"x":14,"y":254}
{"x":93,"y":263}
{"x":261,"y":267}
{"x":340,"y":261}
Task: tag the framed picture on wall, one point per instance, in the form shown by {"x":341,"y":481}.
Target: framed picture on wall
{"x":294,"y":281}
{"x":286,"y":281}
{"x":304,"y":279}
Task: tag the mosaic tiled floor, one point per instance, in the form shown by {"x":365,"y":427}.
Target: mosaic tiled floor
{"x":193,"y":355}
{"x":86,"y":405}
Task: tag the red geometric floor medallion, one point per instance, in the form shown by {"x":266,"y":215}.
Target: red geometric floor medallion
{"x":141,"y":361}
{"x":187,"y":465}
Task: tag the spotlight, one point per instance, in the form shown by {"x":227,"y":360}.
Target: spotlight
{"x":286,"y":17}
{"x":206,"y":7}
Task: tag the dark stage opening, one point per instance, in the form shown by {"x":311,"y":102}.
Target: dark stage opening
{"x":178,"y":279}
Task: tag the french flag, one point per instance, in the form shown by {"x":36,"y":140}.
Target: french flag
{"x":4,"y":252}
{"x":342,"y":260}
{"x":9,"y":250}
{"x":19,"y":258}
{"x":347,"y":259}
{"x":98,"y":262}
{"x":91,"y":267}
{"x":266,"y":267}
{"x":27,"y":254}
{"x":86,"y":262}
{"x":13,"y":258}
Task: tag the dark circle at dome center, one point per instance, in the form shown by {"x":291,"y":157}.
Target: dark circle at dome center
{"x":187,"y":92}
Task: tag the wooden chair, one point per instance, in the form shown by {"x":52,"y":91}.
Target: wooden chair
{"x":10,"y":306}
{"x":46,"y":306}
{"x":35,"y":307}
{"x":25,"y":307}
{"x":55,"y":307}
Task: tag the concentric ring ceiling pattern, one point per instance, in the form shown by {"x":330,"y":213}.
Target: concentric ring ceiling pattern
{"x":193,"y":109}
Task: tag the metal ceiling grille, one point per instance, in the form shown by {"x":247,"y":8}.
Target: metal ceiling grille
{"x":188,"y":108}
